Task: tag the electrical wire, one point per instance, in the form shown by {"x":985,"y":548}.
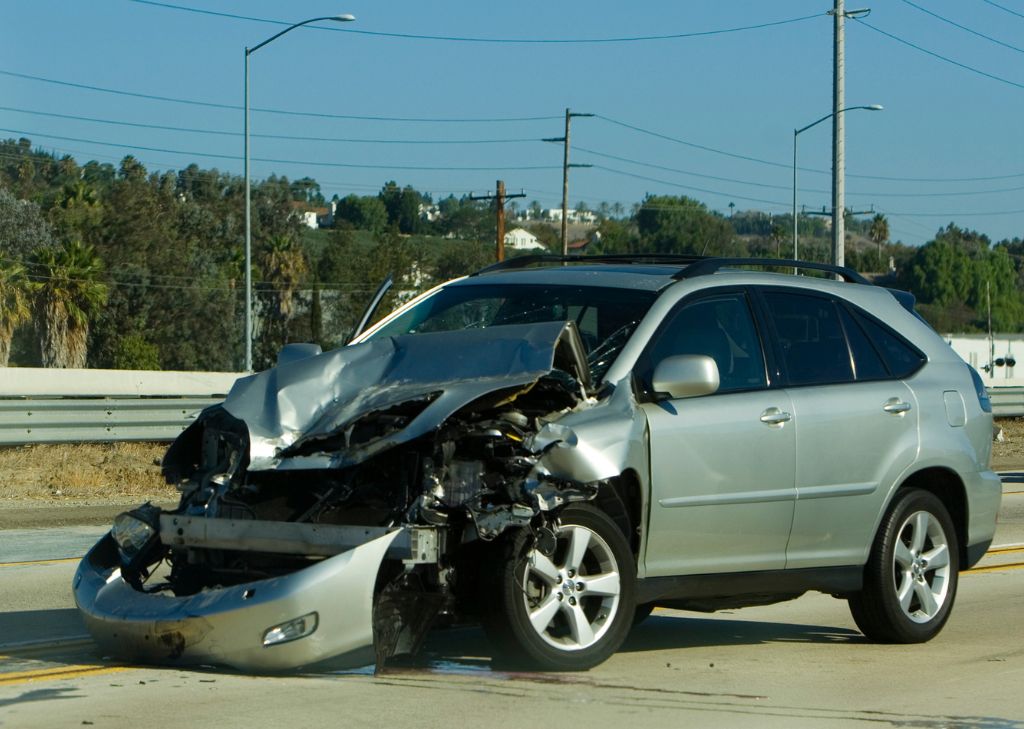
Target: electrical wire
{"x":963,"y":27}
{"x":285,"y":112}
{"x":192,"y":130}
{"x":312,"y":163}
{"x":882,"y":178}
{"x":997,"y":5}
{"x":964,"y":66}
{"x":467,"y":39}
{"x":688,"y":187}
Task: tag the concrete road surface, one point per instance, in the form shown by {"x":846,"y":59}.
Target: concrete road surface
{"x":797,"y":664}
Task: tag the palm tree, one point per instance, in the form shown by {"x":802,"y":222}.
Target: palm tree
{"x":284,"y":268}
{"x":68,"y":293}
{"x":879,"y":233}
{"x":14,"y":304}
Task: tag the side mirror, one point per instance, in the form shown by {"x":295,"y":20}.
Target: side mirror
{"x":294,"y":352}
{"x":685,"y":375}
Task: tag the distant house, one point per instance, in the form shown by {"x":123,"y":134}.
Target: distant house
{"x":572,"y":216}
{"x":311,"y":217}
{"x":522,"y":240}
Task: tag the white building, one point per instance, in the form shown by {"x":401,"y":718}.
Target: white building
{"x":994,"y":359}
{"x":522,"y":240}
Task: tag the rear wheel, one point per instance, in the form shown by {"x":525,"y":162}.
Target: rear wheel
{"x":568,"y":609}
{"x":910,"y":579}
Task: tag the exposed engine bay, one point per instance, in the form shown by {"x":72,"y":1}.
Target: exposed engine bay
{"x":449,"y":438}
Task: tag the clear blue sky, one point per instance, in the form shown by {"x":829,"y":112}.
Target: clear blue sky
{"x":951,"y":136}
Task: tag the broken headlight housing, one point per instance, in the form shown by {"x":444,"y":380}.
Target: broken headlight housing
{"x":137,"y":534}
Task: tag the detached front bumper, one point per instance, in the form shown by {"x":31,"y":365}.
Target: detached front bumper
{"x":227,"y":626}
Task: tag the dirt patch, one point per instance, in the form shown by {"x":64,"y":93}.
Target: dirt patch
{"x":1008,"y":448}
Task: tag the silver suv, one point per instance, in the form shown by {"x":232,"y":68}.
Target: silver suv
{"x":551,"y":448}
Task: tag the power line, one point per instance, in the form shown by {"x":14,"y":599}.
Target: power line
{"x":882,"y":178}
{"x":997,"y":5}
{"x":468,"y":39}
{"x":312,"y":163}
{"x":687,"y":187}
{"x":963,"y":27}
{"x":916,"y":47}
{"x":227,"y":133}
{"x":285,"y":112}
{"x":805,"y":189}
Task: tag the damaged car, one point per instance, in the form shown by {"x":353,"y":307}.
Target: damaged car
{"x":551,"y":448}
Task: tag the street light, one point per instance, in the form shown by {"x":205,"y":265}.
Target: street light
{"x":796,"y":133}
{"x":248,"y":195}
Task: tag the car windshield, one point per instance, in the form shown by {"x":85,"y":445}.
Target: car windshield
{"x":605,"y":317}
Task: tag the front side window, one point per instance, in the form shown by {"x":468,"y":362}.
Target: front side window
{"x":721,"y":327}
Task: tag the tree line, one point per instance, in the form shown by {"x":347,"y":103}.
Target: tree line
{"x":118,"y":267}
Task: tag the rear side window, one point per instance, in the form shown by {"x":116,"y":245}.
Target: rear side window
{"x":901,"y":358}
{"x":811,"y":340}
{"x":867,"y":362}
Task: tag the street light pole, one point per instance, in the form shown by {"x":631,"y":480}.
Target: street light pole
{"x":248,"y":192}
{"x":796,"y":133}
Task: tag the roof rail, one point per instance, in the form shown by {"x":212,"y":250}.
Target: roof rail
{"x":712,"y":265}
{"x":672,"y":259}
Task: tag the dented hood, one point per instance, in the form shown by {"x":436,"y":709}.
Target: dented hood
{"x":303,"y":414}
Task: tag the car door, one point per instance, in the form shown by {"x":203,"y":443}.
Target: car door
{"x":856,"y":424}
{"x":722,"y":465}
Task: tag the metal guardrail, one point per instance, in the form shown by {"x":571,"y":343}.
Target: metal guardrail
{"x":1007,"y":402}
{"x":68,"y":406}
{"x":71,"y":420}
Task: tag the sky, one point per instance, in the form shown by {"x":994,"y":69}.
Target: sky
{"x":689,"y":97}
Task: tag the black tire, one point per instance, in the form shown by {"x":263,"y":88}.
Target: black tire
{"x":910,"y":578}
{"x":572,"y":629}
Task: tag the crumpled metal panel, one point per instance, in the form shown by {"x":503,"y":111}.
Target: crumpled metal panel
{"x":597,"y":441}
{"x":292,"y":406}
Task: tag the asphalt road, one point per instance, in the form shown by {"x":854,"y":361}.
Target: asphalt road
{"x":798,"y":664}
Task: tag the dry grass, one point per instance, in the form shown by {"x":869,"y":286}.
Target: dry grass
{"x":83,"y":471}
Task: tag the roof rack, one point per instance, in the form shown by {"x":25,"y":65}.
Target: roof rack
{"x":671,"y":259}
{"x":708,"y":266}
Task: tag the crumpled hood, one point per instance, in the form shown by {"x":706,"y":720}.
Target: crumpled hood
{"x":291,"y":408}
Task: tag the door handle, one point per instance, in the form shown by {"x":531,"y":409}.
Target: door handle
{"x":774,"y":416}
{"x":895,"y":406}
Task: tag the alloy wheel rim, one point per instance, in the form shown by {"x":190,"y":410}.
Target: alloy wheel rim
{"x":572,"y":595}
{"x":921,"y":567}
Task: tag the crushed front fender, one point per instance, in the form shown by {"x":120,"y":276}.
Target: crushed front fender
{"x":227,"y":626}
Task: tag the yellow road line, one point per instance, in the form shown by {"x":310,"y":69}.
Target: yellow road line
{"x":1004,"y":550}
{"x":40,"y":561}
{"x":56,"y":674}
{"x":997,"y":568}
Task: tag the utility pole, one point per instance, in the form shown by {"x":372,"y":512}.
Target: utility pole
{"x":565,"y":178}
{"x":839,"y":15}
{"x":499,"y":198}
{"x":838,"y":138}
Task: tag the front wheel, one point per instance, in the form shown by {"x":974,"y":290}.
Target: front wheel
{"x":568,"y":609}
{"x":910,"y":579}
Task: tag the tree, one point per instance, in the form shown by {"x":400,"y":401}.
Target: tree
{"x":14,"y":304}
{"x":403,"y":206}
{"x":363,"y":213}
{"x":69,"y":293}
{"x":284,"y":270}
{"x":879,"y":234}
{"x":681,"y":225}
{"x":23,"y":228}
